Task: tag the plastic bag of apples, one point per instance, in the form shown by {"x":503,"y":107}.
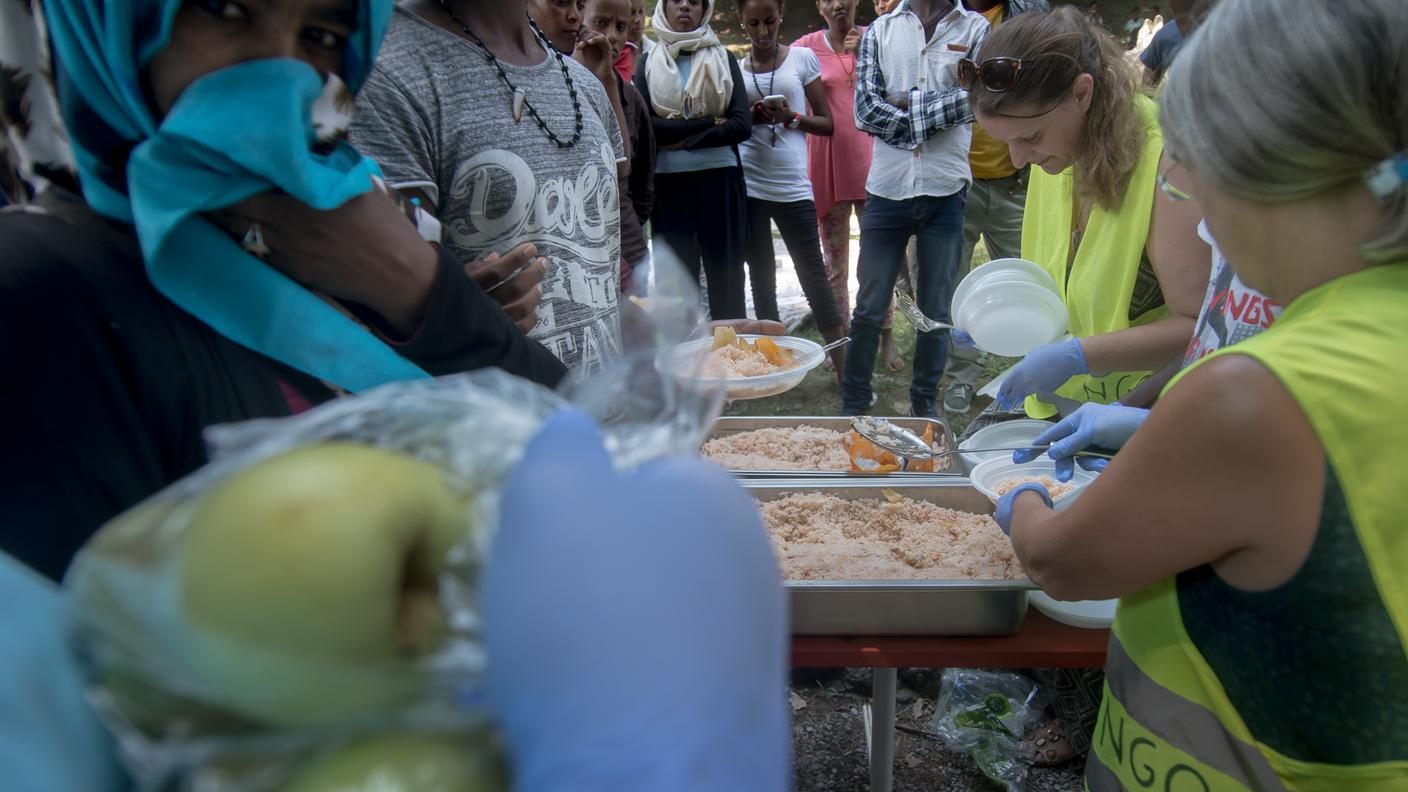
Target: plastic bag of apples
{"x":300,"y":613}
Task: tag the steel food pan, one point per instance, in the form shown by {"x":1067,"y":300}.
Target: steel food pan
{"x":949,"y":465}
{"x":900,"y":607}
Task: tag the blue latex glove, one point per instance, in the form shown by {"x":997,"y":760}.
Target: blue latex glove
{"x":49,"y":737}
{"x":1099,"y":425}
{"x":961,"y":340}
{"x":1004,"y":504}
{"x":636,"y":625}
{"x":1045,"y":368}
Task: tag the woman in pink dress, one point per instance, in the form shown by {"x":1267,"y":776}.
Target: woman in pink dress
{"x":838,"y":165}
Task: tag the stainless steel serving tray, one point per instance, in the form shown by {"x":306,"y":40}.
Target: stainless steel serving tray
{"x":724,"y":427}
{"x":900,"y":607}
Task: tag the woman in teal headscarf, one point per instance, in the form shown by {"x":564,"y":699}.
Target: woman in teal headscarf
{"x":230,"y":257}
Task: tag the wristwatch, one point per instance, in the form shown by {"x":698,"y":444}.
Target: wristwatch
{"x":795,"y":121}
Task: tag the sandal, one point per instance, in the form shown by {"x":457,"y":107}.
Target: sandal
{"x":1046,"y":745}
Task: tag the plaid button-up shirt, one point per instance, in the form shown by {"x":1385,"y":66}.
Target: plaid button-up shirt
{"x":923,"y":147}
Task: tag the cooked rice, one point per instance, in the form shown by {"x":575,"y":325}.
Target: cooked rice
{"x":1054,"y":488}
{"x":732,"y":362}
{"x":801,"y":447}
{"x":792,"y":448}
{"x":824,"y":537}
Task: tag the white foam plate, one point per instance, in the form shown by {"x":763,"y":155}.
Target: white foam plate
{"x":1000,"y":435}
{"x":1089,"y":614}
{"x":1013,"y":318}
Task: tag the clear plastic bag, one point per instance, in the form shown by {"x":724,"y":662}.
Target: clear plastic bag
{"x":985,"y":714}
{"x":227,"y":709}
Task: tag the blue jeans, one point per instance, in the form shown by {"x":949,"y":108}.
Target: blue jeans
{"x":937,"y":225}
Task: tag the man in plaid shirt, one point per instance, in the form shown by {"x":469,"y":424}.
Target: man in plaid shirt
{"x":907,"y":97}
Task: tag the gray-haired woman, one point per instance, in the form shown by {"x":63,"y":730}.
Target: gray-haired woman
{"x":1253,"y":525}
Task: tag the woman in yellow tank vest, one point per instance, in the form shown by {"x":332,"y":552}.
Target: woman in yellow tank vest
{"x":1130,"y":265}
{"x":1255,"y":526}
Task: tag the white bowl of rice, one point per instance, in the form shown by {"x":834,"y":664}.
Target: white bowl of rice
{"x":996,"y":477}
{"x":742,"y":374}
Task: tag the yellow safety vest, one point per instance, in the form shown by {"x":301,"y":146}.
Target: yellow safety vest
{"x":1101,"y":279}
{"x":1341,"y":350}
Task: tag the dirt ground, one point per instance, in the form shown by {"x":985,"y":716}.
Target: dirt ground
{"x":828,"y":738}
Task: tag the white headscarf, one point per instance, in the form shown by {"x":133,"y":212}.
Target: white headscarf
{"x":710,"y":85}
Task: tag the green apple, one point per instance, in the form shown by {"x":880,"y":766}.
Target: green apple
{"x":404,"y":763}
{"x":307,"y":584}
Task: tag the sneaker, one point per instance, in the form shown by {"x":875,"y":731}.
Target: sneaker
{"x":958,"y":398}
{"x":848,"y":413}
{"x":923,"y":409}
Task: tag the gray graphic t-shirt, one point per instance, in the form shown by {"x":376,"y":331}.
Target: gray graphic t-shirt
{"x":436,"y":116}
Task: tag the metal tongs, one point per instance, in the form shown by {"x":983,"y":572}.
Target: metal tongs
{"x":903,"y":443}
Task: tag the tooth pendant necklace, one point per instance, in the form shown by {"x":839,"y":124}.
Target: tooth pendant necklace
{"x":520,"y":98}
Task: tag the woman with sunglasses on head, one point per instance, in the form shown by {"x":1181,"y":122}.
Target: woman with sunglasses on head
{"x":1127,"y":260}
{"x":699,"y":107}
{"x":1252,"y":526}
{"x":217,"y":267}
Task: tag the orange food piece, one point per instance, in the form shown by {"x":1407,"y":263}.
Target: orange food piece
{"x":774,"y":353}
{"x":924,"y":465}
{"x":866,"y":457}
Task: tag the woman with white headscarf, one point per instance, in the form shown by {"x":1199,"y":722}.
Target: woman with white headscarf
{"x":699,"y":108}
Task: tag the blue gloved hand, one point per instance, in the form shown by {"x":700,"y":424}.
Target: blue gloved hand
{"x":1004,"y":504}
{"x":961,"y":340}
{"x":1103,"y":425}
{"x":50,"y":738}
{"x":636,"y":625}
{"x":1045,"y":368}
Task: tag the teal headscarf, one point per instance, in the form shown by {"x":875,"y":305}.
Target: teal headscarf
{"x":231,"y":134}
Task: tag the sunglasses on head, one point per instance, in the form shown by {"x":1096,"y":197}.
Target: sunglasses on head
{"x":999,"y":74}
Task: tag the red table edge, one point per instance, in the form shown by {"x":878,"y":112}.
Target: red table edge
{"x":1041,"y":643}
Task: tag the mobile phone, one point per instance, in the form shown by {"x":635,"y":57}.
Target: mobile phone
{"x":776,"y":100}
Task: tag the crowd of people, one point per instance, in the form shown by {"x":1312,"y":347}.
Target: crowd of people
{"x":228,"y":210}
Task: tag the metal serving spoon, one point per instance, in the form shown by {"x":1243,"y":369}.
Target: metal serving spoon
{"x":916,"y":317}
{"x":903,"y":443}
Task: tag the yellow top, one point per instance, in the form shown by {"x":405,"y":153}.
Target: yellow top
{"x":1099,"y":284}
{"x":1339,"y":351}
{"x":988,"y":156}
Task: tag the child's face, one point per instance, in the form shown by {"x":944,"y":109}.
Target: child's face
{"x":637,"y":30}
{"x":611,"y":18}
{"x":761,"y":20}
{"x":883,"y":7}
{"x":560,"y":21}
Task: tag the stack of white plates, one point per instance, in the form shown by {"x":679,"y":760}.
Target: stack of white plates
{"x":1009,"y":307}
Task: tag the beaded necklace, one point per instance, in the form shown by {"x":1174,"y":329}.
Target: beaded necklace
{"x":520,"y":97}
{"x":772,"y":77}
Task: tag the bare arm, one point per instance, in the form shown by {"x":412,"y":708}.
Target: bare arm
{"x":819,"y":122}
{"x":623,"y":168}
{"x":1177,"y":496}
{"x":594,"y":52}
{"x":1147,"y":392}
{"x":1182,"y":261}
